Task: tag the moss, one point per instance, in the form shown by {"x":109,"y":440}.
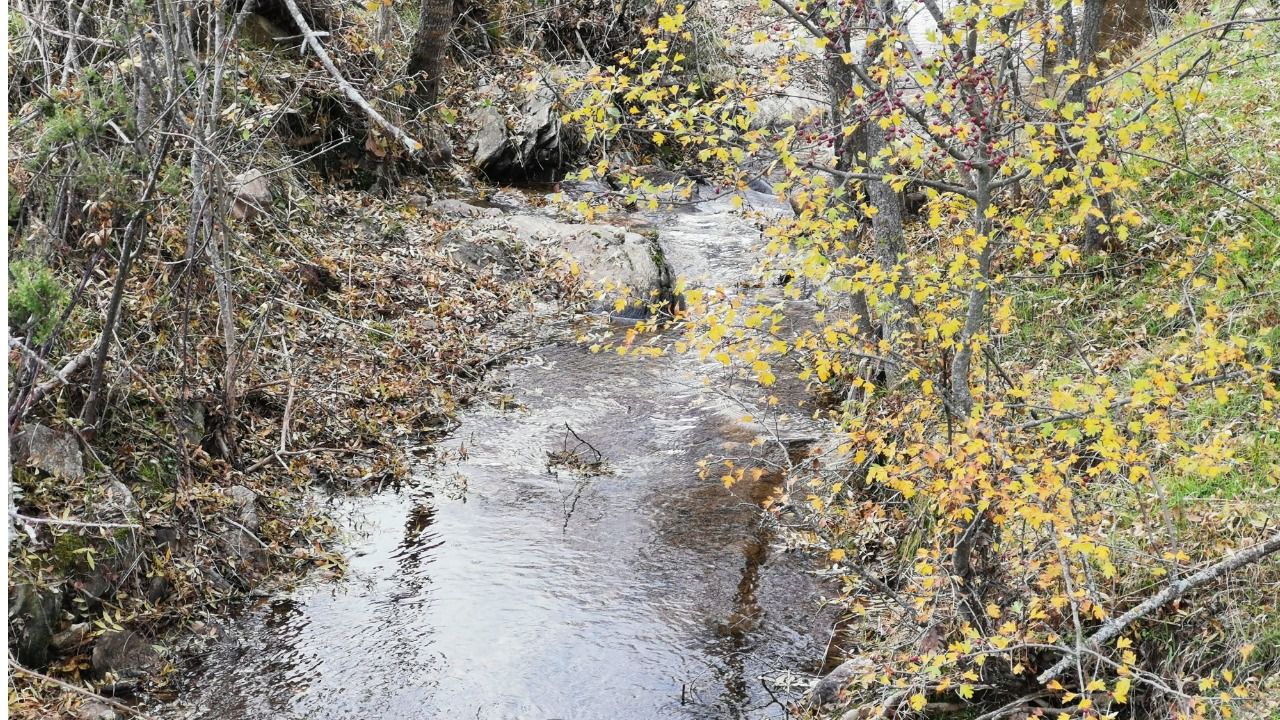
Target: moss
{"x":153,"y":477}
{"x":68,"y":551}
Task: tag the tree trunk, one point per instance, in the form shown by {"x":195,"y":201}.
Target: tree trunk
{"x":426,"y":62}
{"x":1097,"y":230}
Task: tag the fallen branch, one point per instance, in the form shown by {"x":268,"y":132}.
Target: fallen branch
{"x":77,"y":690}
{"x":60,"y":377}
{"x":65,"y":522}
{"x":280,"y":455}
{"x":312,"y":38}
{"x":1112,"y":628}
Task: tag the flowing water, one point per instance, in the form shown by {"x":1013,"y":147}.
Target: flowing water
{"x":498,"y":587}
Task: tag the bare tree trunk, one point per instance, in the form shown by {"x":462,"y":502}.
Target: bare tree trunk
{"x":426,"y":61}
{"x":862,"y":143}
{"x":205,"y":232}
{"x":886,"y":227}
{"x":1097,"y":229}
{"x":887,"y":222}
{"x":134,"y":233}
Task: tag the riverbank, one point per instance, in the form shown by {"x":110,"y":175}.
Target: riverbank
{"x":370,"y":327}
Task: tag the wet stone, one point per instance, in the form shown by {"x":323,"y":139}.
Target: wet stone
{"x":125,"y":654}
{"x":33,"y":615}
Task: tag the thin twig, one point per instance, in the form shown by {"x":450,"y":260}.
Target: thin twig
{"x":70,"y":523}
{"x":288,"y":405}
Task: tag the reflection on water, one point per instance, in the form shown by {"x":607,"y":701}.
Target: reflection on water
{"x":496,"y":588}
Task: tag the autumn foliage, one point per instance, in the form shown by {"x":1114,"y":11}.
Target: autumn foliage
{"x":994,"y":497}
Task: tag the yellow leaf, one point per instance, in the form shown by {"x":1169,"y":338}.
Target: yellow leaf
{"x":837,"y":555}
{"x":1121,"y":693}
{"x":918,"y":702}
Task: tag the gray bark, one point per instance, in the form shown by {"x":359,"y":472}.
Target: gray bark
{"x":426,"y":60}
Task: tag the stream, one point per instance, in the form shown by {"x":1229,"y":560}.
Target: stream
{"x":497,"y":586}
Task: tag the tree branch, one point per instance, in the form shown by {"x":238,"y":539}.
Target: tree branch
{"x":76,"y":689}
{"x":311,"y":38}
{"x":1112,"y":628}
{"x":59,"y":378}
{"x":1128,"y":399}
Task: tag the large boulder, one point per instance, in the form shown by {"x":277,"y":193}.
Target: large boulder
{"x":526,"y":141}
{"x":604,"y":253}
{"x":799,"y":99}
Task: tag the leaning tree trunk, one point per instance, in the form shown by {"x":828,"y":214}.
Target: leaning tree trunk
{"x":429,"y":44}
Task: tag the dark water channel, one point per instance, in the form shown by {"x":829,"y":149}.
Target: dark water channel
{"x":495,"y":587}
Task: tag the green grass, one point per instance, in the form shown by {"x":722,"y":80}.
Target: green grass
{"x":1219,"y":182}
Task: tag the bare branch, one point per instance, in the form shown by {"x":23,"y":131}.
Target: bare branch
{"x":312,"y":39}
{"x":13,"y":664}
{"x":1112,"y":628}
